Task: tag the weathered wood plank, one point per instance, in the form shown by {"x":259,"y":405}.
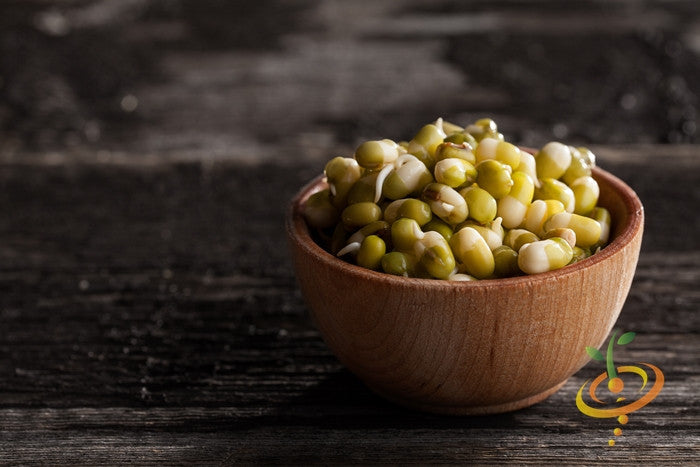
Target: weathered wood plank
{"x":140,"y":324}
{"x":209,"y":78}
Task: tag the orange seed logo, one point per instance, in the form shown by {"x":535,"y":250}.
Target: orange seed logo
{"x":615,"y":403}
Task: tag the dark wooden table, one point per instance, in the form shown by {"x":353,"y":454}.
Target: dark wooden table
{"x":149,"y":314}
{"x":148,"y":310}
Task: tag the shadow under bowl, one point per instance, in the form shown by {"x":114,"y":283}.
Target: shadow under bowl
{"x":475,"y":347}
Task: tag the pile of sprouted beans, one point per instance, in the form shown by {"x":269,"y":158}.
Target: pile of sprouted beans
{"x":459,"y":204}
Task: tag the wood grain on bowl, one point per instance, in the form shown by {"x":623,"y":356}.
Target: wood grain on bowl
{"x":469,"y":347}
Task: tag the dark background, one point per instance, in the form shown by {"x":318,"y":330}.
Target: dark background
{"x":274,"y":79}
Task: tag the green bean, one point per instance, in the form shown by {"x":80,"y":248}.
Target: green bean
{"x":319,"y":211}
{"x":376,"y":154}
{"x":513,"y":207}
{"x":484,"y":128}
{"x":398,"y":263}
{"x":424,"y":144}
{"x":341,"y":174}
{"x":587,"y":155}
{"x":578,"y":168}
{"x":516,"y":238}
{"x":360,"y":214}
{"x":539,"y":212}
{"x":505,"y":261}
{"x":410,"y":176}
{"x":435,"y":255}
{"x":544,"y":255}
{"x":463,"y":138}
{"x":379,"y":228}
{"x":448,"y":150}
{"x":562,"y":232}
{"x":492,"y":233}
{"x":587,"y":230}
{"x":472,"y":251}
{"x":586,"y":192}
{"x":502,"y":151}
{"x":454,"y":172}
{"x":483,"y":125}
{"x":438,"y":225}
{"x":391,"y":211}
{"x":552,"y":160}
{"x":494,"y":177}
{"x":481,"y":205}
{"x":371,"y":251}
{"x":405,"y":232}
{"x":416,"y":209}
{"x":554,"y":189}
{"x":408,"y":207}
{"x":529,"y":166}
{"x":445,"y":203}
{"x":364,"y":190}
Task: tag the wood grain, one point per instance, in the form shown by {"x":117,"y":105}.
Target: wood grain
{"x":140,"y":324}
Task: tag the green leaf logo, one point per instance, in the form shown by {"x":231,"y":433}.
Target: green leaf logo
{"x":595,"y":353}
{"x":626,"y":338}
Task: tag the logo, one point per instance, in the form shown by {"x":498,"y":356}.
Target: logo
{"x":628,"y":387}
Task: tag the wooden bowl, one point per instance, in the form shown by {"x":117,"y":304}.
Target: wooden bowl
{"x":477,"y":347}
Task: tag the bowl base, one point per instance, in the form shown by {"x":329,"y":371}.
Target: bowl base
{"x":475,"y":409}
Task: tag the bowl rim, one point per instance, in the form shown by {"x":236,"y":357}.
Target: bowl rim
{"x":298,"y":232}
